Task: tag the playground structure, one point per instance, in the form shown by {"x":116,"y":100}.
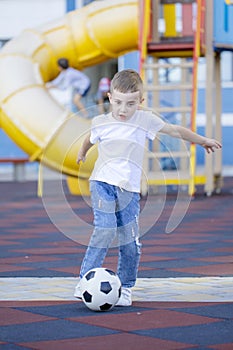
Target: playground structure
{"x":49,"y":133}
{"x":196,"y":28}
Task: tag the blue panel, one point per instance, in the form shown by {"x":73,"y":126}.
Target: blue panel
{"x":129,"y":61}
{"x":70,"y":5}
{"x":223,"y":23}
{"x":8,"y":148}
{"x":227,"y":106}
{"x":227,"y":158}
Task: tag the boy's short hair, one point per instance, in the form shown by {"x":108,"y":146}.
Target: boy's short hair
{"x":127,"y":80}
{"x":63,"y":63}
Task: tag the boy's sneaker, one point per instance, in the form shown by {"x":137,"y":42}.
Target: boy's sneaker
{"x":77,"y":291}
{"x":125,"y":298}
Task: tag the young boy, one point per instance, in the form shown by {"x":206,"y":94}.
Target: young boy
{"x":115,"y":180}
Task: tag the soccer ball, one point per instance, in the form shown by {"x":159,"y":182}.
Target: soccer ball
{"x":100,"y":289}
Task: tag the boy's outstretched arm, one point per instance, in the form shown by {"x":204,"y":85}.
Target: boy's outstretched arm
{"x":188,"y":135}
{"x":84,"y":148}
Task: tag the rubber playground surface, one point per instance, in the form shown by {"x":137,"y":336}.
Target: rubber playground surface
{"x":183,"y":298}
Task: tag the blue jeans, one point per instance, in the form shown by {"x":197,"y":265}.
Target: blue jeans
{"x":116,"y":214}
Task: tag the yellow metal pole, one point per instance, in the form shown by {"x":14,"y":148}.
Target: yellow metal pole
{"x":144,"y":31}
{"x":196,"y":54}
{"x":170,"y":20}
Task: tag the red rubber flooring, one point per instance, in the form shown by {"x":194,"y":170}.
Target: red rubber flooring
{"x":31,"y":246}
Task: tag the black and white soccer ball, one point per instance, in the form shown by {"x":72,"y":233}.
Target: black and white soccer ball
{"x":100,"y":289}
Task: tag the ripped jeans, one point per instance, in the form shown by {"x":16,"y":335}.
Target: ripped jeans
{"x":116,"y":214}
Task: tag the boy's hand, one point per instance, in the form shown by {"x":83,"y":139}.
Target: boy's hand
{"x":210,"y":145}
{"x":49,"y":86}
{"x":81,"y":157}
{"x":84,"y":149}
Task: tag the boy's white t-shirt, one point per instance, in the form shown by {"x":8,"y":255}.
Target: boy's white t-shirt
{"x":121,"y":147}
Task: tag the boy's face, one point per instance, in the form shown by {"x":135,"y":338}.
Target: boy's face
{"x":124,"y":105}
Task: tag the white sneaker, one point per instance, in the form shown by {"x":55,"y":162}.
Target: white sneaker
{"x":125,"y":298}
{"x":77,"y":291}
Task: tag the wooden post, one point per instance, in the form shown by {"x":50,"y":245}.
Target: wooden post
{"x":218,"y":127}
{"x":185,"y":100}
{"x":155,"y":21}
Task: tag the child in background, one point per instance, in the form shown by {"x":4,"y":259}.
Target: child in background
{"x":70,"y":77}
{"x":102,"y":94}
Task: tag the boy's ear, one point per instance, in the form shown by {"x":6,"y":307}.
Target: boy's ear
{"x":142,"y":99}
{"x":109,"y":96}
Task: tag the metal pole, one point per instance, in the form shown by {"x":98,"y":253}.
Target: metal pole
{"x":209,"y":93}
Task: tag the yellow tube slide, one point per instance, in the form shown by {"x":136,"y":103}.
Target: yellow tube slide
{"x":31,"y":117}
